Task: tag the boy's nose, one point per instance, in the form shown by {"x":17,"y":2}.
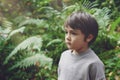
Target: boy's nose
{"x":68,"y":37}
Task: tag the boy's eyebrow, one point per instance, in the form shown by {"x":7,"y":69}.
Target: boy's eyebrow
{"x":73,"y":30}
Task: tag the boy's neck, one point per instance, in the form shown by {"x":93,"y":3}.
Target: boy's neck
{"x":80,"y":50}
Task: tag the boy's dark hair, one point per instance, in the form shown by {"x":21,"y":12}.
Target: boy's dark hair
{"x":84,"y":22}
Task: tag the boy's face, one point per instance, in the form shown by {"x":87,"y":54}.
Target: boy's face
{"x":75,"y":39}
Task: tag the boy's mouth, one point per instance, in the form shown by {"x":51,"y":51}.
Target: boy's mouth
{"x":68,"y":43}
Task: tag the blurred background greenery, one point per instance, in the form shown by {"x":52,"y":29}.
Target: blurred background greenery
{"x":32,"y":36}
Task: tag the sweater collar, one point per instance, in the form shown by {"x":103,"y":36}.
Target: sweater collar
{"x":73,"y":53}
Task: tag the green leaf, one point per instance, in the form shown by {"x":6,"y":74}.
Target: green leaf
{"x":115,"y":24}
{"x":38,"y":59}
{"x":28,"y":44}
{"x":54,"y":41}
{"x":88,"y":5}
{"x":6,"y":23}
{"x":16,"y":31}
{"x":102,"y":16}
{"x":37,"y":22}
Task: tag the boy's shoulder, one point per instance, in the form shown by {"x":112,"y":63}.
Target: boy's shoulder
{"x":93,"y":58}
{"x":66,"y":52}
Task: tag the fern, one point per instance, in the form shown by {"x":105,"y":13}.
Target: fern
{"x":38,"y":22}
{"x":84,"y":5}
{"x":5,"y":31}
{"x":6,"y":23}
{"x":115,"y":24}
{"x":88,"y":5}
{"x":112,"y":31}
{"x":28,"y":44}
{"x":6,"y":27}
{"x":54,"y":41}
{"x":102,"y":16}
{"x":37,"y":59}
{"x":16,"y":31}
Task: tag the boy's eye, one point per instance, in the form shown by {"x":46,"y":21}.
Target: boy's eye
{"x":73,"y":33}
{"x":66,"y":32}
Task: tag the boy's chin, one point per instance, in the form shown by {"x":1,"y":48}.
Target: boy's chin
{"x":70,"y":48}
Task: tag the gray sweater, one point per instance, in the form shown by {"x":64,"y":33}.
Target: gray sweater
{"x":83,"y":66}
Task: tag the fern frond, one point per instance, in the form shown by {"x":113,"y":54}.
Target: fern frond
{"x":54,"y":41}
{"x":39,"y":60}
{"x":115,"y":24}
{"x":71,"y":7}
{"x":102,"y":16}
{"x":51,"y":9}
{"x":16,"y":31}
{"x":118,"y":42}
{"x":6,"y":23}
{"x":81,"y":5}
{"x":5,"y":30}
{"x":88,"y":5}
{"x":28,"y":44}
{"x":37,"y":22}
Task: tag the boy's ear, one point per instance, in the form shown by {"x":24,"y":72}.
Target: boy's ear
{"x":89,"y":38}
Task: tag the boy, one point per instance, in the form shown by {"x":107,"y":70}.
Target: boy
{"x":80,"y":62}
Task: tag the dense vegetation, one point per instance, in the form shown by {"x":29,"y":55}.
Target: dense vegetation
{"x":32,"y":36}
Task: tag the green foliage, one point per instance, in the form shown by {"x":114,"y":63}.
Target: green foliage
{"x":27,"y":56}
{"x":36,"y":59}
{"x":54,"y":41}
{"x":115,"y":24}
{"x":38,"y":22}
{"x":110,"y":46}
{"x":5,"y":29}
{"x":35,"y":6}
{"x":32,"y":43}
{"x":102,"y":16}
{"x":84,"y":5}
{"x":20,"y":30}
{"x":111,"y":60}
{"x":112,"y":5}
